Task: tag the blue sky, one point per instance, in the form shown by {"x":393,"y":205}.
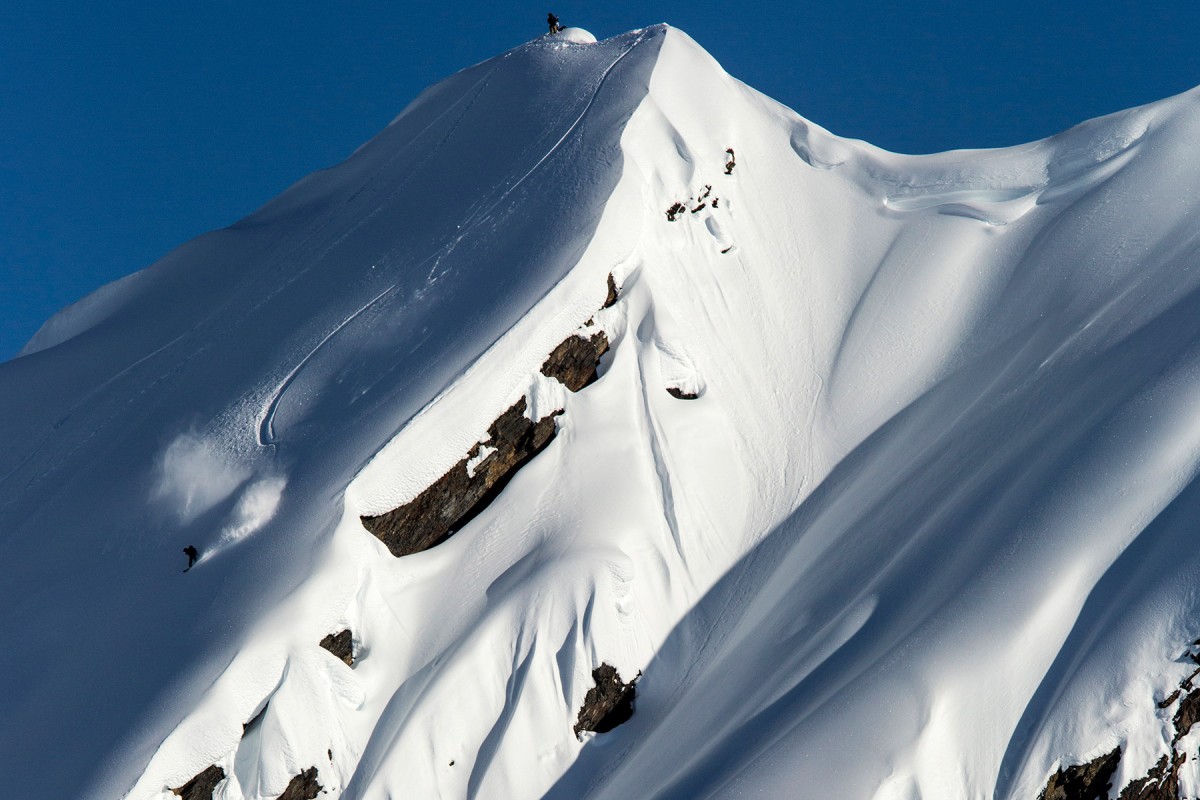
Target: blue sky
{"x":127,"y":128}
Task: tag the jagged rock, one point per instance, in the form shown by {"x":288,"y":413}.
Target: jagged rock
{"x":676,"y":208}
{"x":1160,"y":783}
{"x":341,"y":644}
{"x":611,"y":300}
{"x":302,"y":787}
{"x":1187,"y":682}
{"x":680,"y":394}
{"x":458,"y":496}
{"x":1187,"y":715}
{"x":574,"y":361}
{"x":1090,"y":781}
{"x":608,"y":703}
{"x":203,"y":785}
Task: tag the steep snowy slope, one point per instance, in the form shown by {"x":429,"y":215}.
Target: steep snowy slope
{"x":922,"y":531}
{"x":226,"y":396}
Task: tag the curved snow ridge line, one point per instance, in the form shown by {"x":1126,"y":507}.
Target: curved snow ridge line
{"x":816,"y":146}
{"x":998,"y":205}
{"x":266,"y":425}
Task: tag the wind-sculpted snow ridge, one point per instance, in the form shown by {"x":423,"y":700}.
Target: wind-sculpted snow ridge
{"x":922,"y":528}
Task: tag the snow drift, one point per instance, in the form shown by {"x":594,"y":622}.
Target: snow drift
{"x":921,"y":529}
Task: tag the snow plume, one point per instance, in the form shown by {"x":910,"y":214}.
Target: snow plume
{"x":254,"y":509}
{"x":194,"y":475}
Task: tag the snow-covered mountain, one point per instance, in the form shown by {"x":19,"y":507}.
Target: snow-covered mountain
{"x":887,"y":484}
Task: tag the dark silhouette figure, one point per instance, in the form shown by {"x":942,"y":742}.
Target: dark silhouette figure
{"x":730,"y":162}
{"x":192,"y":554}
{"x":552,"y":21}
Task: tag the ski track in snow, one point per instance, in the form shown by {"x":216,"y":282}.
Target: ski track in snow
{"x":266,"y":425}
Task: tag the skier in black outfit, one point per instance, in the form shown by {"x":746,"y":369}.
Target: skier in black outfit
{"x":192,"y":554}
{"x":553,"y":22}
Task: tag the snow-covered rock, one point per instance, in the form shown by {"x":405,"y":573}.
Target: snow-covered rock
{"x":926,"y":529}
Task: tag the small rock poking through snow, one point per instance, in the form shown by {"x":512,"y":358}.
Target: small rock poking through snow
{"x":574,"y":361}
{"x":341,"y":644}
{"x":609,"y":703}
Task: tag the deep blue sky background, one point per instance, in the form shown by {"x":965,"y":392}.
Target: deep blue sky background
{"x":127,"y":128}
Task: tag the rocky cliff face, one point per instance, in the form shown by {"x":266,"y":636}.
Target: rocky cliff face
{"x":202,"y":786}
{"x":1090,"y":781}
{"x":302,"y":787}
{"x":459,"y":495}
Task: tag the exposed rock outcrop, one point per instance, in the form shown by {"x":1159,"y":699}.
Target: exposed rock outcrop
{"x":1090,"y":781}
{"x":608,"y":703}
{"x":341,"y":644}
{"x":1187,"y":715}
{"x":680,"y":394}
{"x":1169,"y":700}
{"x":302,"y":787}
{"x":203,"y":785}
{"x":574,"y":361}
{"x":611,"y":299}
{"x":459,"y":495}
{"x":1160,"y":783}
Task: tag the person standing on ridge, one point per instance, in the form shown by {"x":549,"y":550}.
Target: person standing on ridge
{"x":552,"y":21}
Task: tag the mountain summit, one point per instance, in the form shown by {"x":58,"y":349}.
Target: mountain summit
{"x":604,"y":429}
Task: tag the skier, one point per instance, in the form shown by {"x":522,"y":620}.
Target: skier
{"x":192,"y":554}
{"x":553,"y":23}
